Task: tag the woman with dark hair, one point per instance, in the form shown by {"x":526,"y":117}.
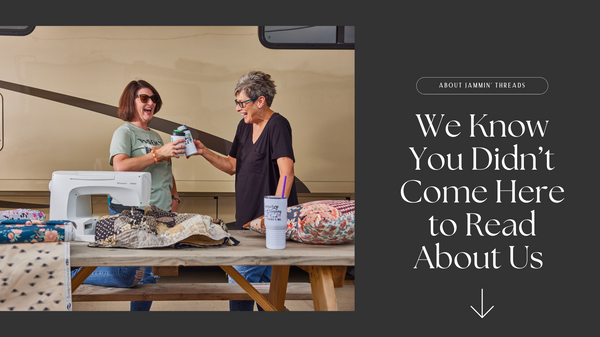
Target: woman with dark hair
{"x":136,"y":147}
{"x":260,"y":157}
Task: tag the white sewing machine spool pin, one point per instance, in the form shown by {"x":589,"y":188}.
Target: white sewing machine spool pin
{"x":71,"y":191}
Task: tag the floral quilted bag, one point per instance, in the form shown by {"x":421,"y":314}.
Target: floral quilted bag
{"x":324,"y":222}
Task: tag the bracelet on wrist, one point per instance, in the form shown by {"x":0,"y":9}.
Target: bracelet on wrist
{"x":154,"y":156}
{"x":177,"y":199}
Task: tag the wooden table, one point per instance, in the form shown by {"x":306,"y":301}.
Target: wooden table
{"x":319,"y":260}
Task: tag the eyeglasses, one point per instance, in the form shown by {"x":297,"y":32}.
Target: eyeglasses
{"x":241,"y":104}
{"x":144,"y":98}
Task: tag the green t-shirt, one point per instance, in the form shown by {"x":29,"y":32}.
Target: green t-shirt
{"x":135,"y":142}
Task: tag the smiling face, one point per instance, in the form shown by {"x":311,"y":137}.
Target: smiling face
{"x":143,"y":111}
{"x":250,"y":109}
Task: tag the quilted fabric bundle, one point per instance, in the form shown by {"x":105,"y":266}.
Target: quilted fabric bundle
{"x":32,"y":231}
{"x":22,"y":213}
{"x":324,"y":222}
{"x":156,"y":228}
{"x":35,"y":277}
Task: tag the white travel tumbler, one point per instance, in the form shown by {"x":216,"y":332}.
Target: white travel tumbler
{"x":190,"y":147}
{"x":275,"y":218}
{"x":177,"y":134}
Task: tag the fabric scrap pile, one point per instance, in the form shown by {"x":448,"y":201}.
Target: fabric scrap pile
{"x":156,"y":228}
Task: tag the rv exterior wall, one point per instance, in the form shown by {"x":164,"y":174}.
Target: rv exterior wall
{"x":195,"y":69}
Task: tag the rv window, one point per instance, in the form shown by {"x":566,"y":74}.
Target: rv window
{"x":16,"y":30}
{"x":307,"y":37}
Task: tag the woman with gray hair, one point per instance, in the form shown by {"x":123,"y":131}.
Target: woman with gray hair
{"x":260,"y":157}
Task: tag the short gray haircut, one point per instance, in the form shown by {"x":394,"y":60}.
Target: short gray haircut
{"x":256,"y":84}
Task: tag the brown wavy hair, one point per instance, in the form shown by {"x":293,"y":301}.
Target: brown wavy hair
{"x":126,"y":109}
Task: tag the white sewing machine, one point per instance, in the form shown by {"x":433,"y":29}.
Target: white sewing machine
{"x":71,"y":191}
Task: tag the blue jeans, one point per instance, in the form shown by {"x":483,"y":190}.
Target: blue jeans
{"x":254,"y":274}
{"x":122,"y":277}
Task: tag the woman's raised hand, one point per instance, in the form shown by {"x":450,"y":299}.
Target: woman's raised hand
{"x":174,"y":149}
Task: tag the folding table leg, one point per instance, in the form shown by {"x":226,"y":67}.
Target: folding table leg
{"x":81,"y":276}
{"x":242,"y":282}
{"x":278,"y":287}
{"x":323,"y":292}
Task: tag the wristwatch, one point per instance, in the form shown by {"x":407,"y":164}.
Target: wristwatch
{"x":175,"y":198}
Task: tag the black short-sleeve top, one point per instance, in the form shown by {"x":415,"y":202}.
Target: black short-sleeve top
{"x":257,"y":172}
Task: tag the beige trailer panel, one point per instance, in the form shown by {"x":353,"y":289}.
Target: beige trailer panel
{"x":195,"y":69}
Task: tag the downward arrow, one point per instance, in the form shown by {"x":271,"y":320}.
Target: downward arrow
{"x":481,"y":314}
